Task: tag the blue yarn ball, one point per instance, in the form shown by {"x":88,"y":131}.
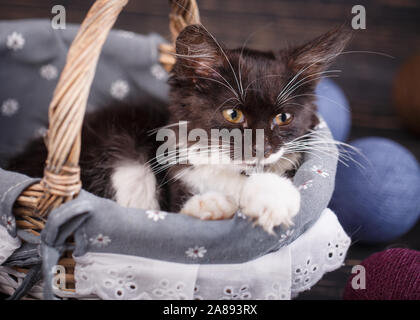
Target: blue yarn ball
{"x":334,"y":108}
{"x":381,"y":201}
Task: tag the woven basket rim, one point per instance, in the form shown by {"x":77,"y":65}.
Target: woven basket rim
{"x":61,"y":181}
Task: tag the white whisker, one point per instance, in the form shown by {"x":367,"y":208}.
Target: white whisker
{"x":299,"y":83}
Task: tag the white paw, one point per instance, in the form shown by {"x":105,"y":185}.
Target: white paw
{"x":270,"y":200}
{"x":210,"y":206}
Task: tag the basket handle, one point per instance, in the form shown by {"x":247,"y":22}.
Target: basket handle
{"x":61,"y":181}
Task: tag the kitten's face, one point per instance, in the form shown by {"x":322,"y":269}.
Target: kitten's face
{"x":215,"y":88}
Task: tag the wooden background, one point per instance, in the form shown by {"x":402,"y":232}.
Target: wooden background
{"x":393,"y":28}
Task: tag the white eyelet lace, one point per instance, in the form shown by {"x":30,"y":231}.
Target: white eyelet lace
{"x":278,"y":275}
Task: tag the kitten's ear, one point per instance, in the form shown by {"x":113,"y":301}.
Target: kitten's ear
{"x":198,"y":53}
{"x":316,"y":55}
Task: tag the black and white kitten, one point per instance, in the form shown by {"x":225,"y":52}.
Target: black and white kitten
{"x":211,"y":87}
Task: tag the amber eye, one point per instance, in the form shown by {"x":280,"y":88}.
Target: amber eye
{"x":233,"y":115}
{"x":282,"y":119}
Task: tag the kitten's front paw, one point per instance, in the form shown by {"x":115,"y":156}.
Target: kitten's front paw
{"x":270,"y":200}
{"x":210,"y":206}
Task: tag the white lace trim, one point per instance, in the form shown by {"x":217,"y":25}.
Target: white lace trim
{"x":8,"y":244}
{"x":279,"y":275}
{"x":267,"y":277}
{"x":11,"y":279}
{"x":319,"y":250}
{"x":114,"y":276}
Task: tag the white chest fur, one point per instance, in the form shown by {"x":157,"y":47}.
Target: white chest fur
{"x":219,"y":191}
{"x":205,"y":178}
{"x":225,"y":178}
{"x":135,"y":185}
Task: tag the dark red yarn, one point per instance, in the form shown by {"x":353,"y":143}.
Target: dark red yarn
{"x":393,"y":274}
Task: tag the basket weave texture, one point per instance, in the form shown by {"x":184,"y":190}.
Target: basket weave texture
{"x":61,"y":180}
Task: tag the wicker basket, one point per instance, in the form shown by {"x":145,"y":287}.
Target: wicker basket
{"x":61,"y":180}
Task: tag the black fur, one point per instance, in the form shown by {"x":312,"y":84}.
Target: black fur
{"x":109,"y":135}
{"x":122,"y":132}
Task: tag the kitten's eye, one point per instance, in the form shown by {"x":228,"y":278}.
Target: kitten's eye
{"x":282,"y":119}
{"x":233,"y":115}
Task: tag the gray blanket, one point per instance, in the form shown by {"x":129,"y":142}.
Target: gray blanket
{"x":31,"y":57}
